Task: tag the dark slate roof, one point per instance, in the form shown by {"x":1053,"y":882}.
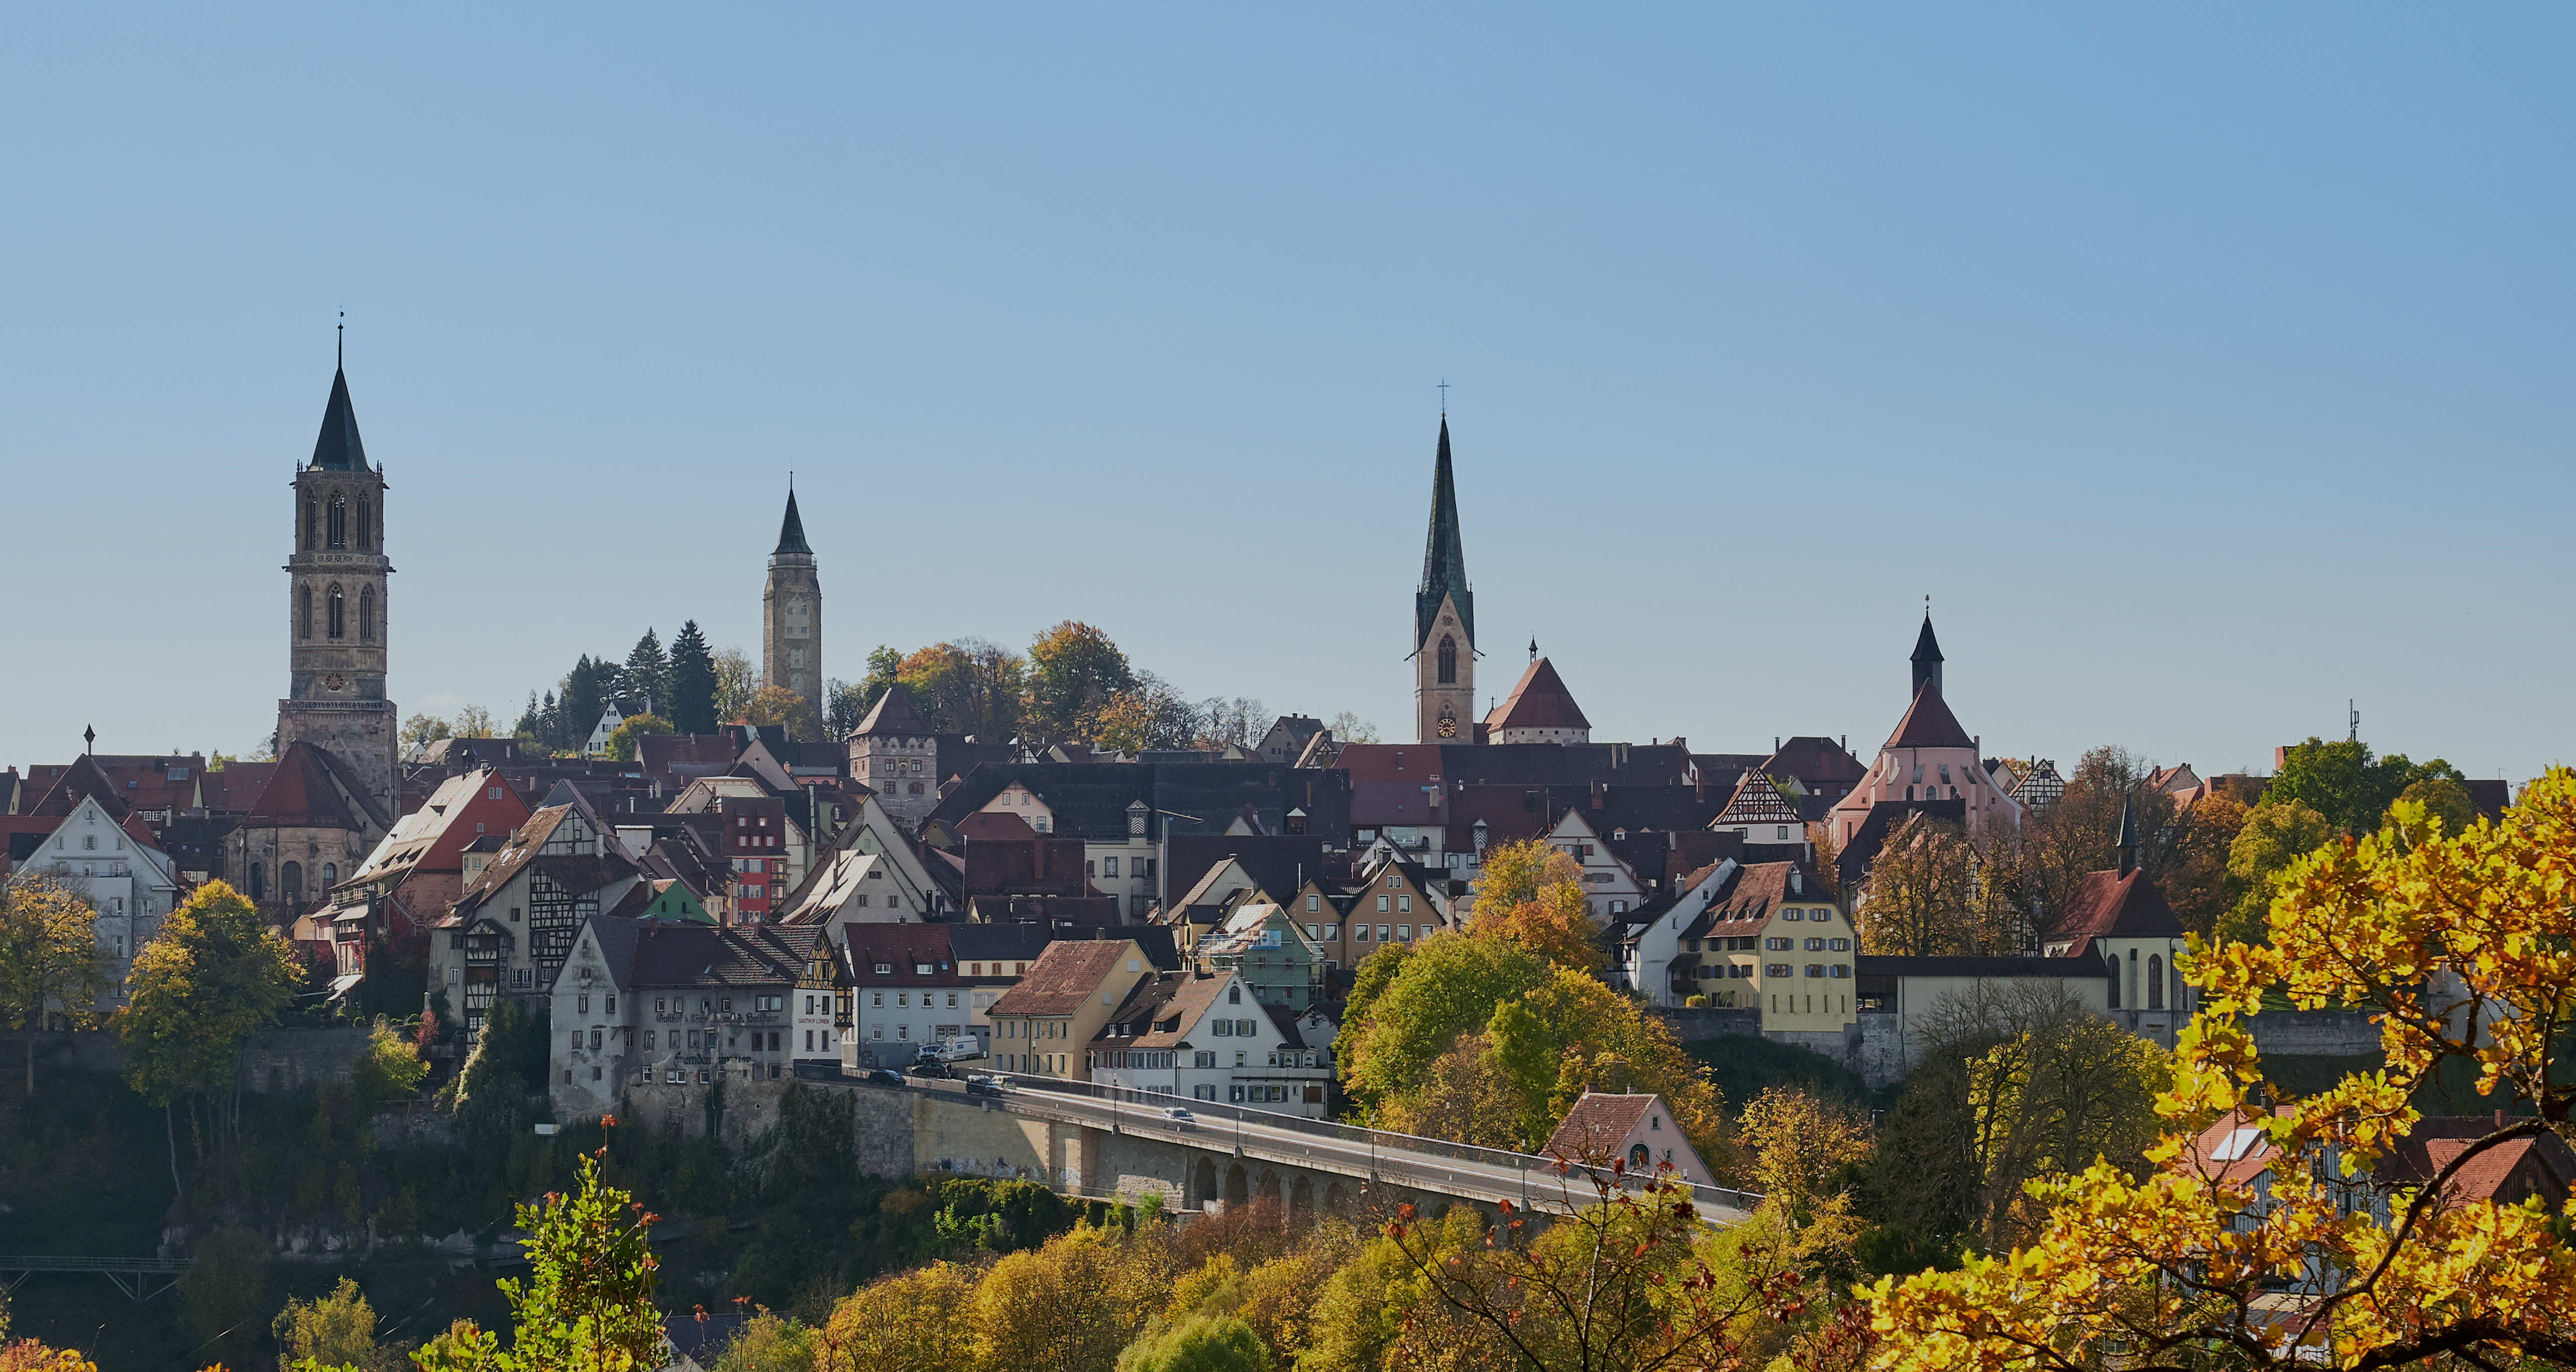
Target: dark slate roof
{"x":1858,"y":852}
{"x":791,"y":531}
{"x":997,"y":942}
{"x":892,"y":715}
{"x":1928,"y":723}
{"x":1539,"y":701}
{"x":1279,"y":863}
{"x":82,"y":779}
{"x":1444,"y":557}
{"x":1558,"y":764}
{"x":1926,"y":647}
{"x":2108,"y":904}
{"x":685,"y":953}
{"x":338,"y":449}
{"x":1818,"y":762}
{"x":1869,"y":965}
{"x":1090,"y":799}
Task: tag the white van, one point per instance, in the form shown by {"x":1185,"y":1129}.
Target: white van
{"x":955,"y":1050}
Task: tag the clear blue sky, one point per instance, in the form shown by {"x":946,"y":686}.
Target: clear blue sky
{"x":2208,"y":365}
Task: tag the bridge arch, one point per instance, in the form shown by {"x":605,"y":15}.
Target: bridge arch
{"x":1238,"y":1188}
{"x":1202,"y":1188}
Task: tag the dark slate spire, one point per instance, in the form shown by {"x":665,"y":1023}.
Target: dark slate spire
{"x":791,"y":530}
{"x":1444,"y":558}
{"x":338,"y":449}
{"x":2128,"y":838}
{"x":1927,"y":658}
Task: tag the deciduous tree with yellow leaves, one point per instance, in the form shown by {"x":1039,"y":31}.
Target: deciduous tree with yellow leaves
{"x":2460,"y":944}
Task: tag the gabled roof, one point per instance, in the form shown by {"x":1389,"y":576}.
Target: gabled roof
{"x":1928,"y":722}
{"x":83,"y":779}
{"x":791,"y":531}
{"x":1751,"y":894}
{"x":2111,"y":905}
{"x":1444,"y":556}
{"x":891,"y":715}
{"x":1883,"y":819}
{"x":338,"y":449}
{"x":1067,"y":974}
{"x":1756,"y":801}
{"x":1597,"y":1125}
{"x":301,"y":794}
{"x":683,"y":953}
{"x":1163,"y":1009}
{"x":1539,"y":701}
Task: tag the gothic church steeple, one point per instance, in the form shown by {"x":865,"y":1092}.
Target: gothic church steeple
{"x":1444,"y":618}
{"x":339,"y":614}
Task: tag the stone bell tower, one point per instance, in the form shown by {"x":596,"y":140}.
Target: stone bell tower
{"x":338,"y":617}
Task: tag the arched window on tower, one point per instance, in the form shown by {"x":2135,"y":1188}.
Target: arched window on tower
{"x":339,"y":521}
{"x":304,"y":612}
{"x":367,"y":615}
{"x":312,"y":516}
{"x":339,"y":624}
{"x":1448,"y":660}
{"x":366,"y":522}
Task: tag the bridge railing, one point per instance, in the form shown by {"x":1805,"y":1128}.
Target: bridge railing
{"x":1381,"y":1140}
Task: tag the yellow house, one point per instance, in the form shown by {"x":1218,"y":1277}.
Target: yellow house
{"x":1043,"y":1024}
{"x":1773,"y":938}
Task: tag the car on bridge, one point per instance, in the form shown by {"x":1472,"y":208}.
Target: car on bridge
{"x":1179,"y":1118}
{"x":885,"y":1076}
{"x":985,"y":1086}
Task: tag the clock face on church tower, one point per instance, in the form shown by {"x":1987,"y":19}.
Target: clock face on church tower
{"x":1448,"y":726}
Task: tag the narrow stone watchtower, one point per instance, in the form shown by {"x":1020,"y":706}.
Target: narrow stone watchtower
{"x":791,"y":634}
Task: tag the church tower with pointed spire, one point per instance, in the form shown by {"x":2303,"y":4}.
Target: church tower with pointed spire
{"x":1444,"y":620}
{"x":338,"y":616}
{"x":791,"y":633}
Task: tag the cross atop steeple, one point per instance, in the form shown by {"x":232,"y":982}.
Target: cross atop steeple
{"x":1444,"y":556}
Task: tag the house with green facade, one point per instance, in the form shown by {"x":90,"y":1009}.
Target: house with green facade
{"x":1272,"y":954}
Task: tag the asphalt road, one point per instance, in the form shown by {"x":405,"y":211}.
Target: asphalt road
{"x":1419,"y":1171}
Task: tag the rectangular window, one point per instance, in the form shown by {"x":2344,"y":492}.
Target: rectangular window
{"x":1816,"y":969}
{"x":1839,"y":945}
{"x":1779,"y":945}
{"x":1815,"y":945}
{"x":1404,"y":933}
{"x":1361,"y":933}
{"x":1314,"y":903}
{"x":1839,"y":972}
{"x":1775,"y":969}
{"x":1109,"y":867}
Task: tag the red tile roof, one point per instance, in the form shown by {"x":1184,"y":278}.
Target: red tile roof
{"x":2107,"y":904}
{"x":1928,"y":723}
{"x":1064,"y":976}
{"x":300,"y":795}
{"x":1597,"y":1125}
{"x":1539,"y":701}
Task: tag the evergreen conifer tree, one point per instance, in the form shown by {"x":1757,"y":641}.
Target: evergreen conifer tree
{"x":693,"y":682}
{"x":648,"y":673}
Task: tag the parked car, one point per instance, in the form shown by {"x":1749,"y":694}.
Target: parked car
{"x":1179,"y":1118}
{"x":885,"y":1076}
{"x":936,"y":1070}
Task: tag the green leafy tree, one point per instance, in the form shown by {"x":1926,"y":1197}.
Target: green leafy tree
{"x":473,"y":722}
{"x":780,"y":706}
{"x":693,"y":682}
{"x":1447,"y":986}
{"x":49,"y":956}
{"x":389,"y":1066}
{"x":2275,"y":834}
{"x":587,"y":1305}
{"x":914,"y":1321}
{"x":224,"y":1292}
{"x":1148,"y":714}
{"x":2347,"y":783}
{"x":1074,"y":672}
{"x":648,"y":671}
{"x":622,"y":741}
{"x":966,"y":687}
{"x":196,"y":993}
{"x":425,"y":728}
{"x":2442,"y":799}
{"x":737,"y":681}
{"x":1203,"y":1343}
